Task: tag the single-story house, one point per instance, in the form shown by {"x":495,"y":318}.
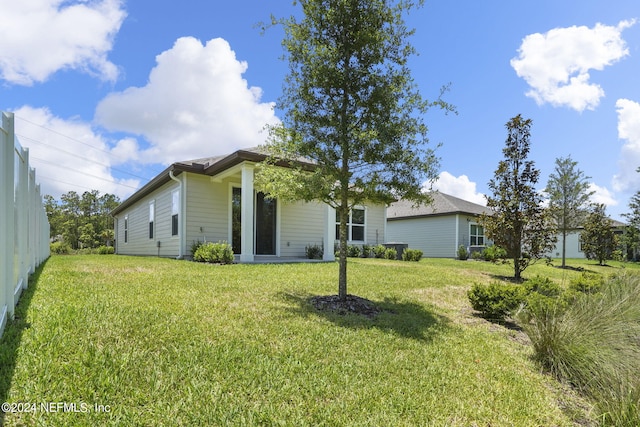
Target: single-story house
{"x":574,"y":246}
{"x":437,"y":229}
{"x":214,"y":199}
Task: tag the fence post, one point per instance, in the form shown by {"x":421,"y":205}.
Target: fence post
{"x":7,"y":233}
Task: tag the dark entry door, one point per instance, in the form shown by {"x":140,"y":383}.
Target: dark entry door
{"x":265,"y":225}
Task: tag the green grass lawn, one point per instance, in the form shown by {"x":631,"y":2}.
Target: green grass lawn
{"x":165,"y":342}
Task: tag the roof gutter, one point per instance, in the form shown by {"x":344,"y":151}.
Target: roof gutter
{"x":181,"y":216}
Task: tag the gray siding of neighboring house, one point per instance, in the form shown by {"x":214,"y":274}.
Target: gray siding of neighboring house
{"x":573,"y":247}
{"x":434,"y":236}
{"x":138,"y":241}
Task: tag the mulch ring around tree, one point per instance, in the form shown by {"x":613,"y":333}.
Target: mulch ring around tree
{"x":353,"y":304}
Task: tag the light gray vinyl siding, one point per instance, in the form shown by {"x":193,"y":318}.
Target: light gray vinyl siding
{"x":138,"y":242}
{"x":207,"y":210}
{"x":573,"y":247}
{"x":301,"y":224}
{"x":375,"y":224}
{"x":435,"y":236}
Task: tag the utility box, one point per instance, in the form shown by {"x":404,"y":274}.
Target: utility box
{"x":399,"y":247}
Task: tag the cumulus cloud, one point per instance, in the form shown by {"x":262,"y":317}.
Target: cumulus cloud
{"x":602,"y":195}
{"x":556,"y":64}
{"x":460,"y":187}
{"x":195,"y":104}
{"x":40,"y":37}
{"x":628,"y":179}
{"x":68,"y":155}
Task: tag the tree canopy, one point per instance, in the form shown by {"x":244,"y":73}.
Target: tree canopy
{"x":568,"y":192}
{"x":352,"y":107}
{"x":82,"y":221}
{"x":518,"y":221}
{"x":598,"y":238}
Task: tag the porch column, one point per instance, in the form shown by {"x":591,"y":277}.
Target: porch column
{"x":246,"y":220}
{"x":329,"y":235}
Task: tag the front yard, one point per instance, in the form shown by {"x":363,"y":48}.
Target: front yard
{"x":113,"y":340}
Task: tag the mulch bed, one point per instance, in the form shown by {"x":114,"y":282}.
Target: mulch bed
{"x":353,"y":304}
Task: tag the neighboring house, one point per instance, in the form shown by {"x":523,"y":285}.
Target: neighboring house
{"x":214,"y":199}
{"x":574,"y":246}
{"x":437,"y":229}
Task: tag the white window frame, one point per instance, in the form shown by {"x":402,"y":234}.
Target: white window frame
{"x":350,"y":225}
{"x":175,"y":210}
{"x":126,"y":229}
{"x":152,"y":220}
{"x":483,"y":235}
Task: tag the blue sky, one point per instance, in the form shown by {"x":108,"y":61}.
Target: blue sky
{"x":108,"y":92}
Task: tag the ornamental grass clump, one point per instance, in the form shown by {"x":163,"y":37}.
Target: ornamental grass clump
{"x":594,"y":345}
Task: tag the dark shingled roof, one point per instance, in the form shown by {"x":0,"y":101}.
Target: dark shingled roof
{"x":443,"y":204}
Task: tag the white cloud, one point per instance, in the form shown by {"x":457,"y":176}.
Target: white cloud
{"x":40,"y":37}
{"x":556,"y":64}
{"x":459,"y":187}
{"x":628,"y":130}
{"x":602,"y":195}
{"x":196,"y":104}
{"x":68,"y":155}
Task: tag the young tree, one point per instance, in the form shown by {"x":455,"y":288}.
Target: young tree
{"x":598,"y":239}
{"x":632,"y":232}
{"x":518,"y":222}
{"x":568,"y":192}
{"x":353,"y":108}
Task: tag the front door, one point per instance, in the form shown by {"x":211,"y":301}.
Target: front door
{"x":265,"y":223}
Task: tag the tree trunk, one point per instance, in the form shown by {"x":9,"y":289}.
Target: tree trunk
{"x":564,"y":248}
{"x":342,"y":278}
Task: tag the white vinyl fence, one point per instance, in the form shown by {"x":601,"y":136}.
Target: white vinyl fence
{"x":24,"y":227}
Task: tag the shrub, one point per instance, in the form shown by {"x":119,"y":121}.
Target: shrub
{"x":60,"y":248}
{"x":367,"y":251}
{"x":496,"y":300}
{"x":587,"y":283}
{"x":411,"y":255}
{"x":463,"y":254}
{"x":379,"y":251}
{"x":194,"y":246}
{"x":313,"y":251}
{"x":354,"y":251}
{"x":494,"y":253}
{"x":390,"y":253}
{"x":106,"y":250}
{"x":220,"y":252}
{"x":477,"y":255}
{"x":543,"y":286}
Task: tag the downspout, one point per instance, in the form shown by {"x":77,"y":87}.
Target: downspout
{"x":181,"y":216}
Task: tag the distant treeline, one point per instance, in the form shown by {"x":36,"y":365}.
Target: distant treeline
{"x":82,"y":221}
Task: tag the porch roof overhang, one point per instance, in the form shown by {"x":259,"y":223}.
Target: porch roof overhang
{"x":214,"y":167}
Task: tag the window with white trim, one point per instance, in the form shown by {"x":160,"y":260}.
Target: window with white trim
{"x":126,"y":229}
{"x":355,"y":225}
{"x":476,"y":235}
{"x":175,"y":209}
{"x":152,"y":216}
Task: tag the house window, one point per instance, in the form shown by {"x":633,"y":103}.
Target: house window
{"x":355,"y":225}
{"x":175,"y":209}
{"x":152,"y":215}
{"x":126,"y":229}
{"x":476,"y":235}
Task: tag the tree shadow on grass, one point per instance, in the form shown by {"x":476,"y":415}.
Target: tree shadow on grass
{"x":405,"y":318}
{"x":12,"y":336}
